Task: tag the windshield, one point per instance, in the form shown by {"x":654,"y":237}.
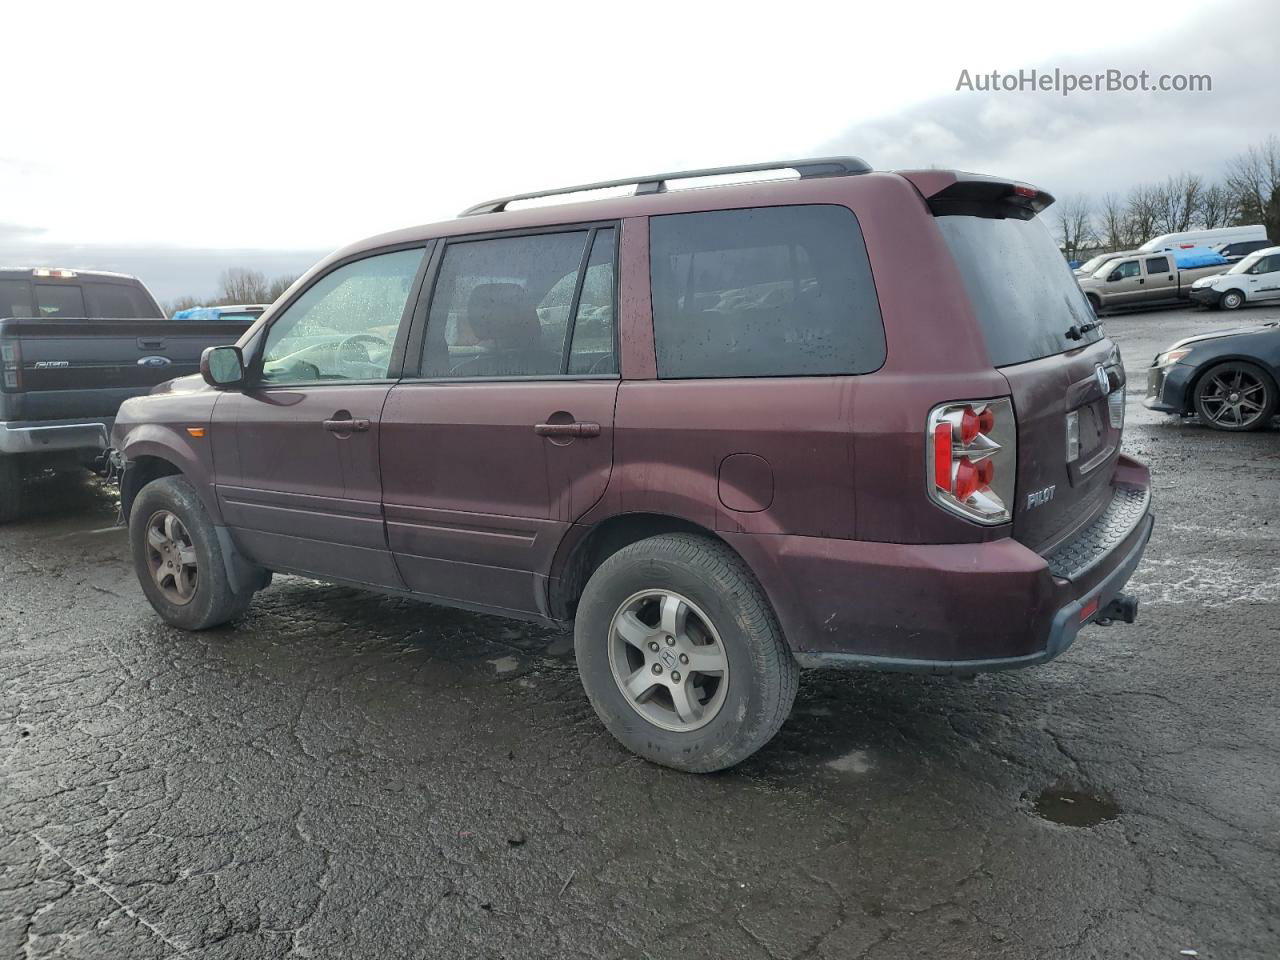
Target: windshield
{"x":1247,"y":262}
{"x":1024,"y":294}
{"x":1092,"y":264}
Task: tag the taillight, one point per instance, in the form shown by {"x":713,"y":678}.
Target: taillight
{"x":11,"y":366}
{"x":972,"y":458}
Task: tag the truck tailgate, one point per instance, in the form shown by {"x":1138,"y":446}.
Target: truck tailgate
{"x":87,"y":368}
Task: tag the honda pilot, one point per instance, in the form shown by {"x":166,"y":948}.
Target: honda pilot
{"x":845,"y":418}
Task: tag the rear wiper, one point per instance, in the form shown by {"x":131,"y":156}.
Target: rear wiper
{"x":1077,"y":332}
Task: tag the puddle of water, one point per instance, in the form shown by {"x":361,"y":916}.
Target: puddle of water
{"x":856,"y":761}
{"x":1075,"y":808}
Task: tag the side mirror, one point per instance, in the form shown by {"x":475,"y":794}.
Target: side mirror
{"x":222,"y":367}
{"x":1113,"y":276}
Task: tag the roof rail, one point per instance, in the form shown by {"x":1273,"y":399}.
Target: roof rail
{"x":657,"y":182}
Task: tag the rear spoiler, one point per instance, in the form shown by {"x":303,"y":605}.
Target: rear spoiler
{"x":948,"y":191}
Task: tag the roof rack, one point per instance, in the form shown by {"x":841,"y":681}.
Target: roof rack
{"x":657,"y":182}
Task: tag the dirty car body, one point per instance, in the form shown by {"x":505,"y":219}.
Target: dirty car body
{"x":903,"y":471}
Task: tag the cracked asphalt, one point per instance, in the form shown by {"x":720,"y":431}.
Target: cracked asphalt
{"x":343,"y":775}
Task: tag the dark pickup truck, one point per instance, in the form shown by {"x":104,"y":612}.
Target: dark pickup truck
{"x":74,"y":345}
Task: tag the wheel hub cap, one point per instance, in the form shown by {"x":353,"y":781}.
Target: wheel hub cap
{"x":668,"y":660}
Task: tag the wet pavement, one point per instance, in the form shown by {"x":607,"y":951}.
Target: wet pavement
{"x":343,"y":775}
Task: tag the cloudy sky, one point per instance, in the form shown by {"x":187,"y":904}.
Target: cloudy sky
{"x":173,"y":140}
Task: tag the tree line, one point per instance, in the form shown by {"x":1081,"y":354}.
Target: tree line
{"x":1248,"y":193}
{"x":236,"y":285}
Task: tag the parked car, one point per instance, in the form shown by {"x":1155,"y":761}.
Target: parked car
{"x":74,"y":344}
{"x":243,"y":311}
{"x":1228,"y":378}
{"x":1254,"y":279}
{"x":1095,"y":263}
{"x":1145,"y":281}
{"x":852,"y":418}
{"x":1237,"y":251}
{"x":1204,"y":238}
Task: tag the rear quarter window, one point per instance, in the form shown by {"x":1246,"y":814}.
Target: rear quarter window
{"x":15,"y":298}
{"x":763,"y":292}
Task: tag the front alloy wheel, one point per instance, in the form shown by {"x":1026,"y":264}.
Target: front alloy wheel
{"x":1235,"y":396}
{"x":171,"y":557}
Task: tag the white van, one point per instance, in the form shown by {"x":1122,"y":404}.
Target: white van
{"x":1204,"y":238}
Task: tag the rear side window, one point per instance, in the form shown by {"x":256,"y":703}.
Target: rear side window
{"x":763,"y":292}
{"x":1024,"y":295}
{"x":1158,"y":265}
{"x":59,"y":300}
{"x":15,"y":298}
{"x":119,"y":301}
{"x":529,"y":306}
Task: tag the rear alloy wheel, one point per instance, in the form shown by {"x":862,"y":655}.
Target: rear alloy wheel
{"x":681,"y":655}
{"x":1235,"y":396}
{"x":1232,"y":300}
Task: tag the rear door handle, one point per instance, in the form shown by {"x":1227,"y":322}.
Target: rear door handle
{"x":346,"y":426}
{"x":567,"y":429}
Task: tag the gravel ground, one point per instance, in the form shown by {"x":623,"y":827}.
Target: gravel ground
{"x":344,"y":775}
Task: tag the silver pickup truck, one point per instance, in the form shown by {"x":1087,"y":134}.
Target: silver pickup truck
{"x":1140,"y":281}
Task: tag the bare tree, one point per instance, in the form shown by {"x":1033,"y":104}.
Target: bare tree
{"x":1114,"y":224}
{"x":181,"y":303}
{"x":1215,"y":207}
{"x":277,"y":287}
{"x":1142,"y":212}
{"x":1075,"y":225}
{"x":242,"y":285}
{"x":1254,"y":182}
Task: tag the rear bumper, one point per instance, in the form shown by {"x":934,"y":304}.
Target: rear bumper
{"x":46,"y":436}
{"x":951,"y":608}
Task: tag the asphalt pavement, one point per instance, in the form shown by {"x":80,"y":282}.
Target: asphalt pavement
{"x":343,"y":775}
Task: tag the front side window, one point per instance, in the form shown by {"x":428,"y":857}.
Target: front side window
{"x":59,"y":300}
{"x":1126,"y":270}
{"x":763,"y":292}
{"x":506,"y":306}
{"x":1269,"y":264}
{"x":344,"y":325}
{"x":118,"y":301}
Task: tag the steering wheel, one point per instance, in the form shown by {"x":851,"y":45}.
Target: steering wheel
{"x":352,"y":349}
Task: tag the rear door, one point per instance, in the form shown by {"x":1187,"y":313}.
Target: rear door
{"x":1067,"y":387}
{"x":299,"y":482}
{"x":505,"y":435}
{"x":1160,"y":277}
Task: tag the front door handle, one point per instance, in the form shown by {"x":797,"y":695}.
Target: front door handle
{"x":346,"y":426}
{"x":567,"y":429}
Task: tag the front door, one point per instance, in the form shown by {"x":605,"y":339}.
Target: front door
{"x":300,"y":485}
{"x":1264,"y":278}
{"x":1125,"y":283}
{"x":505,"y":437}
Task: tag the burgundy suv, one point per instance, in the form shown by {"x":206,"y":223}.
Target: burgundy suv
{"x":848,"y":418}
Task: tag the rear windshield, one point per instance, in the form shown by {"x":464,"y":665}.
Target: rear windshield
{"x":1023,"y":292}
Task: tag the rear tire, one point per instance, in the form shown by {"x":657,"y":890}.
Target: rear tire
{"x":702,"y":720}
{"x":178,"y":559}
{"x":11,"y":496}
{"x":1231,"y":300}
{"x":1235,"y":396}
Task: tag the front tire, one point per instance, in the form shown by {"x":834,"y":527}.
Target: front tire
{"x":1235,"y":396}
{"x":178,"y":560}
{"x":1231,"y":300}
{"x":680,"y":653}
